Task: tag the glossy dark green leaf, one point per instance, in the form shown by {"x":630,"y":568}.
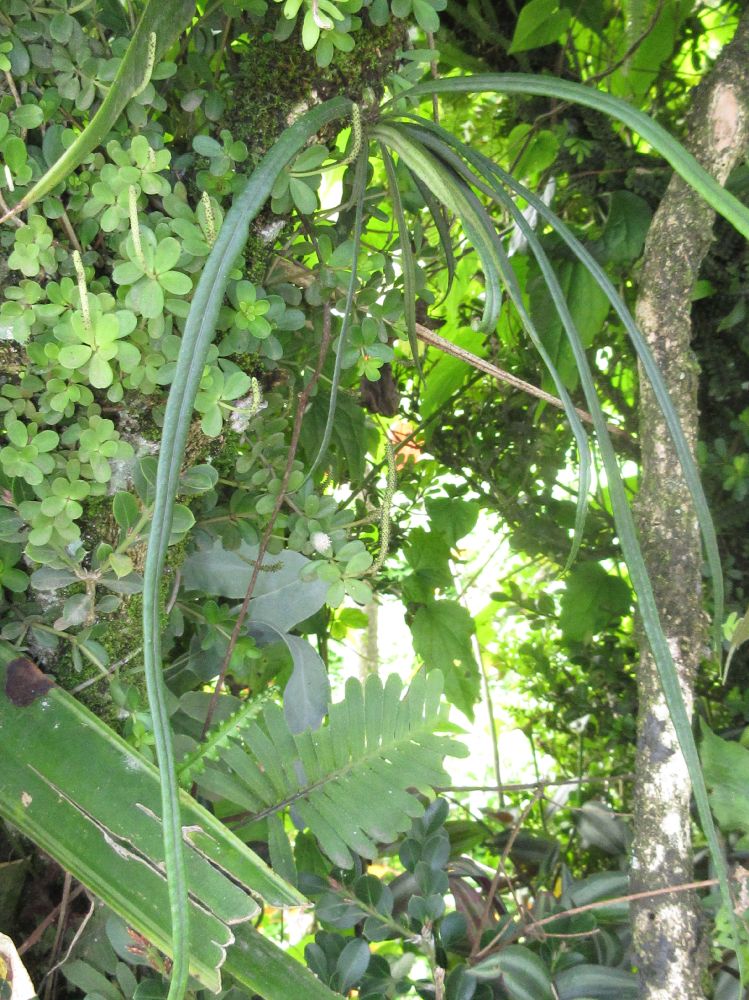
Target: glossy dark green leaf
{"x":596,"y":982}
{"x":524,"y":974}
{"x":351,"y":965}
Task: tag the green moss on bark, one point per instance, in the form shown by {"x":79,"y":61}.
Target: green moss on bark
{"x":274,"y":82}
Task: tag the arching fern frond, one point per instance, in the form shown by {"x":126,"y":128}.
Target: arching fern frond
{"x":349,"y":781}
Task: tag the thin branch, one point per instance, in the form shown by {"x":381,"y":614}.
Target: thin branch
{"x":299,"y":274}
{"x":303,"y":400}
{"x":222,"y":50}
{"x":596,"y":78}
{"x":708,"y":883}
{"x":38,"y":932}
{"x":430,"y":337}
{"x":12,"y":87}
{"x":439,"y":983}
{"x":70,"y":232}
{"x":59,"y":931}
{"x":493,"y":728}
{"x":7,"y":213}
{"x":112,"y":668}
{"x":501,"y":873}
{"x":600,"y":904}
{"x":531,"y":785}
{"x":77,"y":936}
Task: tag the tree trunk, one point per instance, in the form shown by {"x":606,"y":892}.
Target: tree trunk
{"x":668,"y":946}
{"x":368,"y":643}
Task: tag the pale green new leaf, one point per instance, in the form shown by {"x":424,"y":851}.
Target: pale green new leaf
{"x":525,"y":975}
{"x":442,"y":633}
{"x":739,"y":637}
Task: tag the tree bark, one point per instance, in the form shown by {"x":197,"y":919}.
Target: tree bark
{"x":669,"y":951}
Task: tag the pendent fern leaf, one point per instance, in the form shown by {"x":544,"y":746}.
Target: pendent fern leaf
{"x":349,"y":781}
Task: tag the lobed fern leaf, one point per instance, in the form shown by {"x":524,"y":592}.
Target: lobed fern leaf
{"x":193,"y":763}
{"x":349,"y":781}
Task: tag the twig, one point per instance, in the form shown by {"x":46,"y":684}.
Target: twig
{"x":175,"y":591}
{"x":299,"y":274}
{"x":430,"y":337}
{"x":67,"y":226}
{"x":492,"y":718}
{"x":600,"y":903}
{"x":110,"y":670}
{"x":12,"y":87}
{"x":501,"y":873}
{"x":487,"y":693}
{"x":38,"y":932}
{"x":303,"y":400}
{"x":222,"y":49}
{"x":76,"y":936}
{"x":531,"y":785}
{"x":439,"y":983}
{"x":19,"y":223}
{"x":559,"y":106}
{"x":62,"y":919}
{"x":596,"y":78}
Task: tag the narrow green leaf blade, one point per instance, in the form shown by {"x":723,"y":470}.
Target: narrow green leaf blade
{"x":565,"y":90}
{"x":196,"y":340}
{"x":160,"y":25}
{"x":408,"y":264}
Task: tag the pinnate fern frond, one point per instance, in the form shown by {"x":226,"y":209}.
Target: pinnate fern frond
{"x":219,"y":737}
{"x":349,"y":780}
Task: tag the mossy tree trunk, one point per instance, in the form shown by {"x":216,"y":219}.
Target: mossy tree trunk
{"x":669,"y":951}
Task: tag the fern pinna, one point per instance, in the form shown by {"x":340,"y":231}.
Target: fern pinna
{"x":349,"y":781}
{"x":217,"y":739}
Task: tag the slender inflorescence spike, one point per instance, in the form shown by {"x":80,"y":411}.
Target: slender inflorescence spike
{"x":387,"y":502}
{"x":82,"y":289}
{"x":210,"y":218}
{"x":135,"y":227}
{"x":150,"y":62}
